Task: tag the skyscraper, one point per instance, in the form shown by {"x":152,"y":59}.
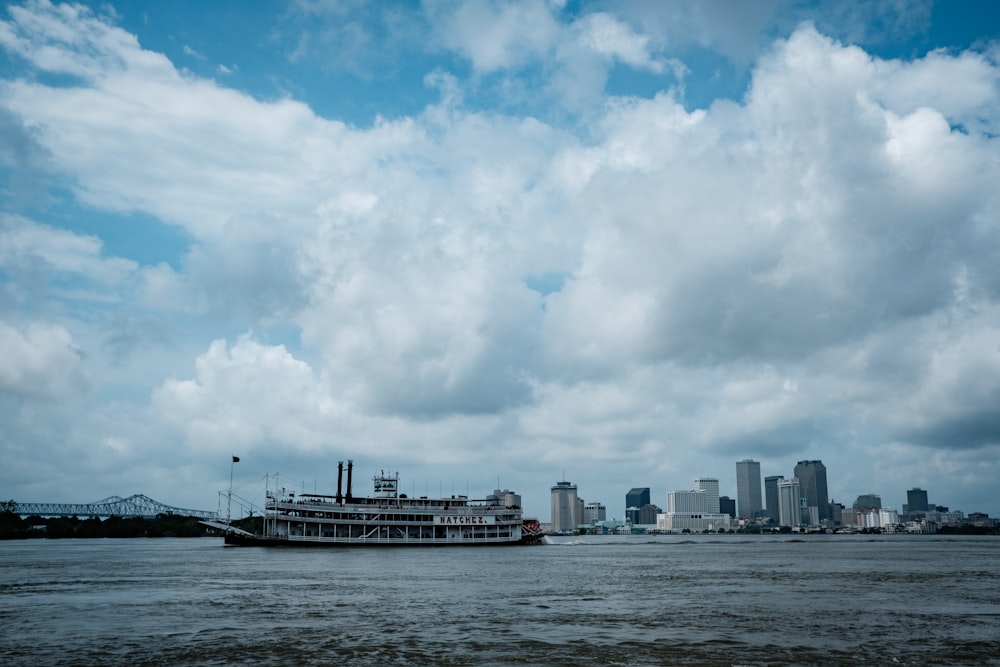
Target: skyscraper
{"x":868,"y":501}
{"x":727,"y":505}
{"x":747,"y":488}
{"x":771,"y":496}
{"x":710,"y":485}
{"x":812,"y":486}
{"x":916,"y":500}
{"x":789,"y":502}
{"x":637,"y":497}
{"x":635,"y":500}
{"x":564,"y":508}
{"x":594,"y":512}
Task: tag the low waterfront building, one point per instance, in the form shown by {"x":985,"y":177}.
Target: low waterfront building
{"x":851,"y":517}
{"x":690,"y":511}
{"x":885,"y":519}
{"x":694,"y":522}
{"x":980,"y":520}
{"x":642,"y":516}
{"x":946,"y":518}
{"x":612,"y":527}
{"x":920,"y":526}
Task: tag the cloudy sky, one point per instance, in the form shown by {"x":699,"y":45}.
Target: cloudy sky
{"x":620,"y":243}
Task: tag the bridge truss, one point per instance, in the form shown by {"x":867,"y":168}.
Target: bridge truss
{"x":133,"y":506}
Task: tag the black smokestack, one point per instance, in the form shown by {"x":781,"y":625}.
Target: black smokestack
{"x":350,"y":467}
{"x":340,"y":480}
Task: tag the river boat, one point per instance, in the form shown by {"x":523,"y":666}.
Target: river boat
{"x":386,"y":518}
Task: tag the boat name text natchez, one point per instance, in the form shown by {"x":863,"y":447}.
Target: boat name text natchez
{"x":387,"y":518}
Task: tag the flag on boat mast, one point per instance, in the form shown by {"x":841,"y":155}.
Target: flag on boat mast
{"x":236,"y":459}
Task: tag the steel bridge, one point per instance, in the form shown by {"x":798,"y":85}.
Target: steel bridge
{"x":133,"y":506}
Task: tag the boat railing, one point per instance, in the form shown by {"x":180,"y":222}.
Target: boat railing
{"x":459,"y":509}
{"x":375,"y":538}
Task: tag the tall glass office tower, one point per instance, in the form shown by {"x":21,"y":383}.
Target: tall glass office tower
{"x":748,"y":488}
{"x":771,"y":496}
{"x":710,"y":486}
{"x":916,"y":500}
{"x":635,"y":500}
{"x":637,"y":497}
{"x":812,"y":486}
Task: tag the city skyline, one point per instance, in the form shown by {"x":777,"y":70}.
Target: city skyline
{"x":476,"y":240}
{"x":813,"y":472}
